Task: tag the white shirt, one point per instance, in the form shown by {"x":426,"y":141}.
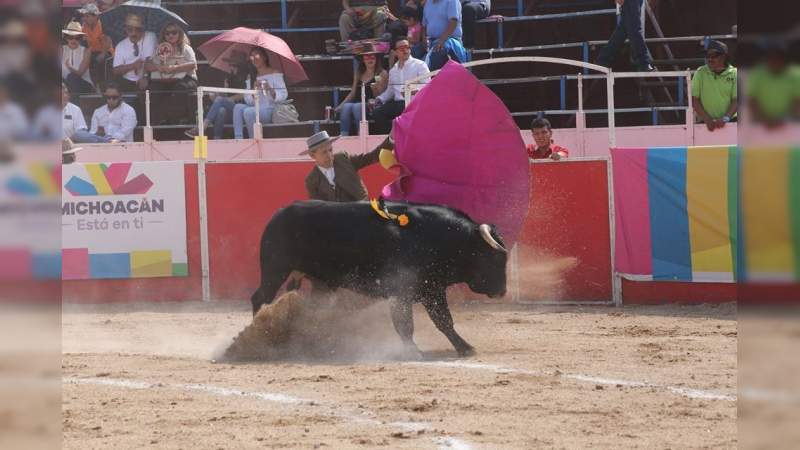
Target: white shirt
{"x":75,"y":58}
{"x":329,"y":173}
{"x":13,"y":121}
{"x":125,"y":54}
{"x":412,"y":68}
{"x":118,"y":124}
{"x":273,"y":80}
{"x":72,"y":120}
{"x":45,"y":124}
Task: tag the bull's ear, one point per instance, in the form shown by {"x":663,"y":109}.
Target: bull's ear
{"x":486,"y":234}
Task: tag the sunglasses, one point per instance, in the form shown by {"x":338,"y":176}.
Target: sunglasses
{"x":72,"y":38}
{"x":171,"y":32}
{"x":112,"y":97}
{"x":402,"y":47}
{"x":130,"y":29}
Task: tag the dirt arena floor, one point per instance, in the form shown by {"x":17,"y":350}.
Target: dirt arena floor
{"x":655,"y":377}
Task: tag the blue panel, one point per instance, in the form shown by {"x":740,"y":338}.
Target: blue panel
{"x":110,"y":265}
{"x":46,"y":266}
{"x":669,"y":220}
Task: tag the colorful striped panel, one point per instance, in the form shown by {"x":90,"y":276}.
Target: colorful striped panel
{"x":669,"y":224}
{"x":632,"y":212}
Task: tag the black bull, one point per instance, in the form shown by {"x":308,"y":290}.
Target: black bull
{"x":349,"y":245}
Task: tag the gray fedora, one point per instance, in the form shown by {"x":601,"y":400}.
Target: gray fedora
{"x":318,"y":140}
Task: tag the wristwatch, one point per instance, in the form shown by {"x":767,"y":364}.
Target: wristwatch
{"x":726,"y":119}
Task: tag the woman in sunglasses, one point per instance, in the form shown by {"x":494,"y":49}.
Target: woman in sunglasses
{"x":173,"y":68}
{"x":271,"y":87}
{"x":75,"y":59}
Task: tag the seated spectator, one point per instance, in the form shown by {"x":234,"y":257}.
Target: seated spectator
{"x":114,"y":122}
{"x":100,"y":45}
{"x":272,"y":88}
{"x":173,"y":68}
{"x":441,"y":22}
{"x":714,"y":91}
{"x":471,"y":12}
{"x":391,"y":102}
{"x":543,"y":146}
{"x":73,"y":124}
{"x":221,"y":110}
{"x":773,"y":87}
{"x":131,"y":53}
{"x":411,"y":18}
{"x":13,"y":120}
{"x":75,"y":59}
{"x":47,"y":124}
{"x":371,"y":74}
{"x":629,"y":27}
{"x":362,"y":19}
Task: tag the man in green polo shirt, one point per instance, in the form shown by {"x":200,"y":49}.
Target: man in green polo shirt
{"x":773,"y":87}
{"x":714,"y":96}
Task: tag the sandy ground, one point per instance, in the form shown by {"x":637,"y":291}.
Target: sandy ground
{"x":544,"y":377}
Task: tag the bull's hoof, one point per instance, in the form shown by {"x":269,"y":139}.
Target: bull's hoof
{"x":412,"y":353}
{"x":466,"y":352}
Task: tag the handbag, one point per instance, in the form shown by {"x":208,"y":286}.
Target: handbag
{"x":285,"y":112}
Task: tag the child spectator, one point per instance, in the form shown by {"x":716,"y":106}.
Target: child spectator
{"x":411,"y":17}
{"x":543,"y":146}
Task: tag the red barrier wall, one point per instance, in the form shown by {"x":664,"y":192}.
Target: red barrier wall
{"x":568,"y":220}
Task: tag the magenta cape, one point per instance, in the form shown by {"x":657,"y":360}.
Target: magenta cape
{"x":457,"y":145}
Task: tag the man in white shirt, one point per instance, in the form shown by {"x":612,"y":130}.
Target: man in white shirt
{"x":72,"y":120}
{"x":113,"y":122}
{"x":130,"y":54}
{"x":391,"y":103}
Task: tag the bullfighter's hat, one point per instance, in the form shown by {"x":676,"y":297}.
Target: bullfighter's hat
{"x":317,"y":140}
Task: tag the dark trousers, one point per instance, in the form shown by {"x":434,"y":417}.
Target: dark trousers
{"x":172,"y":102}
{"x":385,"y":113}
{"x":77,"y":86}
{"x":471,"y":12}
{"x":101,"y":69}
{"x":130,"y":88}
{"x":629,"y":27}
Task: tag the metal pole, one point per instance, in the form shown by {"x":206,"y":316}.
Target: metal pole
{"x":148,"y":129}
{"x":689,"y":106}
{"x":257,"y":125}
{"x":203,"y":203}
{"x":612,"y":132}
{"x":616,"y":281}
{"x":580,"y":117}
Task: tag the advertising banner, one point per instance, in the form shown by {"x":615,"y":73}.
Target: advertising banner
{"x":123,"y":220}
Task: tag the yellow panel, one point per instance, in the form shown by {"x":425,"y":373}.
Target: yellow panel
{"x":707,"y":207}
{"x":43,"y":177}
{"x":99,"y":179}
{"x":765,"y":211}
{"x":156,"y":263}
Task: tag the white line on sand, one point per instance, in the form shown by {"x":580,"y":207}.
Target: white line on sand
{"x":685,"y":392}
{"x":444,"y":442}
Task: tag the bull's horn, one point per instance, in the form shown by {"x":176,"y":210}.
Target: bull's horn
{"x":486,"y":234}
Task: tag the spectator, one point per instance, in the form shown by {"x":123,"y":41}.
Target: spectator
{"x":272,"y":89}
{"x":174,"y":68}
{"x":391,"y":102}
{"x":221,"y":110}
{"x":48,"y":123}
{"x":472,"y":11}
{"x":362,"y":19}
{"x":75,"y":59}
{"x":131,"y":53}
{"x":773,"y":87}
{"x":714,"y":91}
{"x":411,"y":18}
{"x":113,"y":122}
{"x":629,"y":26}
{"x":441,"y":23}
{"x":543,"y":146}
{"x":335,"y":177}
{"x":13,"y":121}
{"x":73,"y":124}
{"x":100,"y":46}
{"x":373,"y":77}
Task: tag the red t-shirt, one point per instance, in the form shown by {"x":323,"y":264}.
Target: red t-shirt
{"x":535,"y":153}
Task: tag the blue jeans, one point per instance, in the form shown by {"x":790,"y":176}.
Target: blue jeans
{"x":246,"y":114}
{"x":350,"y":114}
{"x":628,"y":27}
{"x":220,"y":112}
{"x":85,"y":137}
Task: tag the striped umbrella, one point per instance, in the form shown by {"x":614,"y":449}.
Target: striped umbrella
{"x":155,"y":17}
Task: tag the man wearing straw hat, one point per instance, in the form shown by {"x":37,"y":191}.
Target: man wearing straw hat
{"x":335,"y":177}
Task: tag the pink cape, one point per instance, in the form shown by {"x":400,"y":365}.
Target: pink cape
{"x":457,"y":145}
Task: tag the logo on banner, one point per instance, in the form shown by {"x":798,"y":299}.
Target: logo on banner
{"x":38,"y":180}
{"x":108,"y":180}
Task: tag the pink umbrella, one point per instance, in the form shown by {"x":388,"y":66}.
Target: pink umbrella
{"x":457,"y":145}
{"x":232,"y":47}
